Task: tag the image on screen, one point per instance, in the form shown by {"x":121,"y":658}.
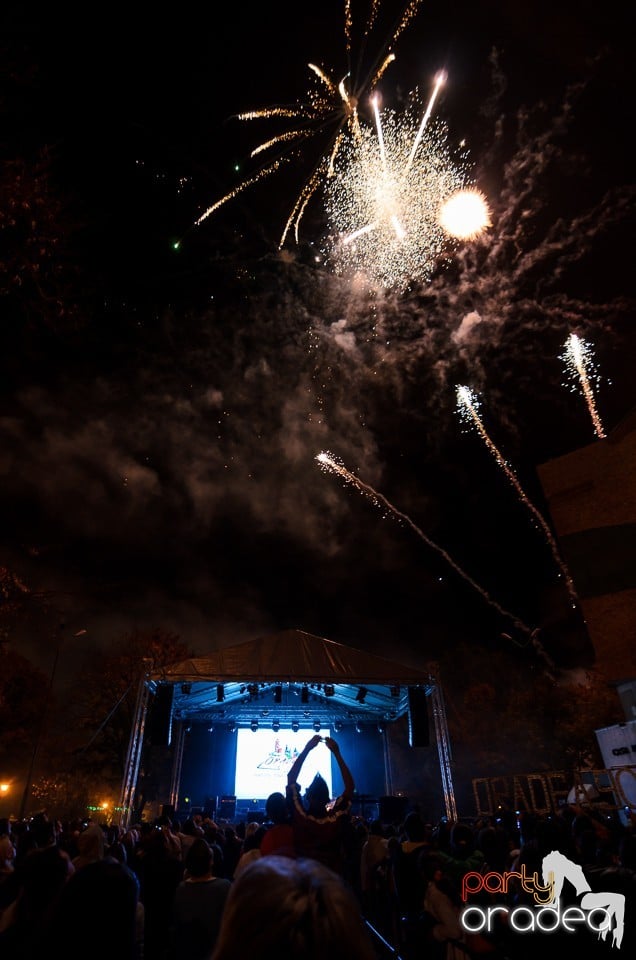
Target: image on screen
{"x":263,"y":759}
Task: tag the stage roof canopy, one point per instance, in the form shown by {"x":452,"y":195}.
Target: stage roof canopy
{"x":291,"y":676}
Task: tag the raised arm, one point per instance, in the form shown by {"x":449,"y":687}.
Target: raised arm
{"x":349,"y":785}
{"x":294,"y":770}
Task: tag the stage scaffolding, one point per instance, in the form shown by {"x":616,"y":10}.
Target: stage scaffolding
{"x":135,"y":747}
{"x":444,"y":750}
{"x":147,"y":688}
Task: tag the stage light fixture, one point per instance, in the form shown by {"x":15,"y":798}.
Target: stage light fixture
{"x":361,"y":695}
{"x":358,"y":727}
{"x":254,"y":726}
{"x":278,"y":693}
{"x":329,"y":690}
{"x":304,"y":694}
{"x":295,"y":726}
{"x":276,"y":726}
{"x":232,"y":727}
{"x":381,"y":726}
{"x":395,"y":691}
{"x":338,"y":726}
{"x":186,"y":688}
{"x":220,"y":693}
{"x":317,"y":726}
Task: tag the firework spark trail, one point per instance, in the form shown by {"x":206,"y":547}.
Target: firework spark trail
{"x":327,"y":462}
{"x":439,"y":80}
{"x":378,"y":127}
{"x":578,"y":355}
{"x":468,"y":404}
{"x":235,"y":192}
{"x":333,"y":103}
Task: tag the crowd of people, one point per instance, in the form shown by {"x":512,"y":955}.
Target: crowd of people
{"x":312,"y":881}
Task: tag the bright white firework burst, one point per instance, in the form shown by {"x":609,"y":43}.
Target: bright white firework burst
{"x":385,"y":203}
{"x":465,"y":215}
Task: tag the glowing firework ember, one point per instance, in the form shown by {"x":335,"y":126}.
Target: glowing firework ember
{"x":578,"y":357}
{"x":389,"y":195}
{"x":330,"y":111}
{"x":468,"y":407}
{"x":328,"y":463}
{"x":465,"y":215}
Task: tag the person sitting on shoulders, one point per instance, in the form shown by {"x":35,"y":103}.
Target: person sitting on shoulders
{"x":279,"y":836}
{"x":319,"y":824}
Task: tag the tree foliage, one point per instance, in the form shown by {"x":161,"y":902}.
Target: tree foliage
{"x":17,"y":603}
{"x":23,"y":692}
{"x":38,"y":279}
{"x":519,"y":719}
{"x":88,"y":745}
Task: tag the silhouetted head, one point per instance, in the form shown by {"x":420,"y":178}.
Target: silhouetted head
{"x":96,"y":913}
{"x":276,"y":808}
{"x":462,"y":840}
{"x":414,"y":827}
{"x":199,"y":858}
{"x":317,"y":793}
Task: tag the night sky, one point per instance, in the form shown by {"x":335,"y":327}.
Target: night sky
{"x":158,"y":442}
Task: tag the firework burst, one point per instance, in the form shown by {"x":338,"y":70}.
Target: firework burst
{"x":330,"y":113}
{"x":465,"y":215}
{"x":387,"y":204}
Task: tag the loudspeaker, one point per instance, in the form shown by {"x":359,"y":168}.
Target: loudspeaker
{"x":418,"y":718}
{"x":226,"y":808}
{"x":392,"y":809}
{"x":161,"y":716}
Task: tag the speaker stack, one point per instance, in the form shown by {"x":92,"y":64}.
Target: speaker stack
{"x":161,"y":716}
